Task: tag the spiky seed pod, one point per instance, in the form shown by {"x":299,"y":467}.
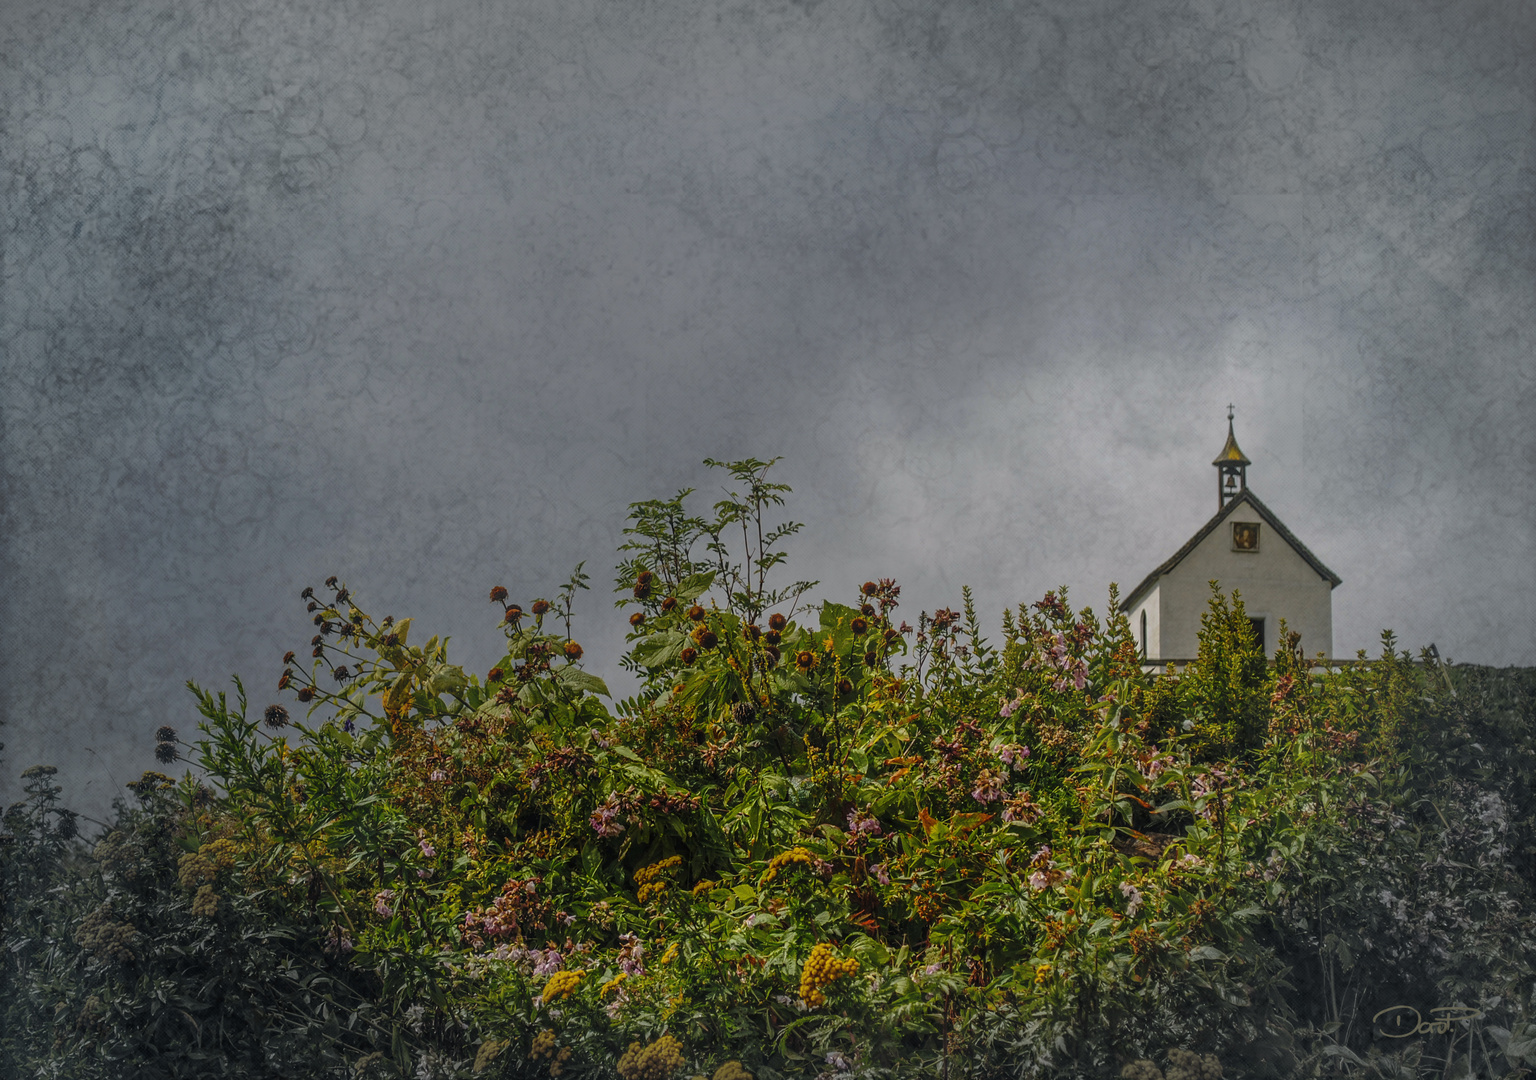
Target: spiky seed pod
{"x":690,"y":655}
{"x":341,"y":674}
{"x":696,"y":613}
{"x":330,"y":582}
{"x":276,"y":716}
{"x":306,"y":594}
{"x":166,"y":752}
{"x":165,"y":733}
{"x":708,"y":639}
{"x":541,"y":607}
{"x":305,"y":693}
{"x":869,"y":588}
{"x":312,"y":606}
{"x":669,"y":603}
{"x":514,"y":613}
{"x":777,"y":623}
{"x":498,"y":594}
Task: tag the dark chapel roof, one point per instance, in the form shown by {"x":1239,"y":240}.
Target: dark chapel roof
{"x":1242,"y":497}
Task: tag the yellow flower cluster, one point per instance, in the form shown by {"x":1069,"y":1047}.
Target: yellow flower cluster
{"x":654,"y":1062}
{"x":544,"y":1046}
{"x":670,"y":955}
{"x":488,"y":1051}
{"x":787,"y":858}
{"x":822,"y":968}
{"x":561,"y":985}
{"x":206,"y":902}
{"x":650,"y":889}
{"x":732,"y":1070}
{"x":702,"y":888}
{"x":221,"y":852}
{"x":194,"y":868}
{"x":612,"y":984}
{"x":1188,"y":1065}
{"x":650,"y":873}
{"x":99,"y":933}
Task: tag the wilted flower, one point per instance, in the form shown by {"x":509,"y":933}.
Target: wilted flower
{"x":541,"y":607}
{"x":165,"y":733}
{"x":572,"y":651}
{"x":1013,"y":755}
{"x":861,"y":822}
{"x":604,"y":819}
{"x":166,"y":753}
{"x":777,"y":622}
{"x":276,"y":716}
{"x":498,"y":594}
{"x":637,"y":619}
{"x":989,"y":787}
{"x":305,"y":693}
{"x":689,"y":655}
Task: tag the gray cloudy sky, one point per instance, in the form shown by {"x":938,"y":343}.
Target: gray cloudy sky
{"x":424,"y":292}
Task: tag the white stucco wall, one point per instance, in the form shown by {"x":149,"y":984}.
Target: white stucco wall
{"x":1275,"y":582}
{"x":1151,"y":606}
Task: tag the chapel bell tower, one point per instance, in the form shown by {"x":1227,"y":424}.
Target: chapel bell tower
{"x":1231,"y":469}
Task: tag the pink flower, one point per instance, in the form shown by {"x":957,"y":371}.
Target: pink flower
{"x":381,"y":901}
{"x":861,"y":822}
{"x":879,"y":873}
{"x":989,"y":787}
{"x":437,"y":776}
{"x":604,"y":819}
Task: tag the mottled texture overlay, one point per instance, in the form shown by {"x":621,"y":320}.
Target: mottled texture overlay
{"x":424,"y":292}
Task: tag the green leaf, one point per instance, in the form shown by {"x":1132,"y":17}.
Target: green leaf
{"x":658,"y":650}
{"x":584,"y":680}
{"x":1206,"y":952}
{"x":695,"y":586}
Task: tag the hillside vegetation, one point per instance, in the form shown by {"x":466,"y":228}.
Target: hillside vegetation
{"x":819,"y":841}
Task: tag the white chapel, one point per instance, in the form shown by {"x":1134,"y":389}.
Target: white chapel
{"x":1247,"y":549}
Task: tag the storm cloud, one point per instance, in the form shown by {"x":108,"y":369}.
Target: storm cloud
{"x":424,"y":294}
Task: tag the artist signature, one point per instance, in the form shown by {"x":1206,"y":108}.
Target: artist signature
{"x":1438,"y":1026}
